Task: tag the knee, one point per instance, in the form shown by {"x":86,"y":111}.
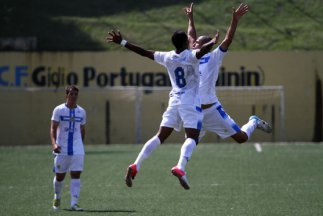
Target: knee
{"x":240,"y":137}
{"x":243,"y":139}
{"x":75,"y":174}
{"x":161,"y":139}
{"x":164,"y":133}
{"x":60,"y":177}
{"x":240,"y":141}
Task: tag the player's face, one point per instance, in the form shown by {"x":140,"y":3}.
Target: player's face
{"x":71,"y":97}
{"x":198,"y":43}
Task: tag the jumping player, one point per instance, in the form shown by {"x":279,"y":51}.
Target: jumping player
{"x":215,"y":118}
{"x":184,"y":103}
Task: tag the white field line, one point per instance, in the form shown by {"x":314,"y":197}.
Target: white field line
{"x":258,"y":147}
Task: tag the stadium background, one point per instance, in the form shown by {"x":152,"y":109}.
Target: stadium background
{"x":279,"y":41}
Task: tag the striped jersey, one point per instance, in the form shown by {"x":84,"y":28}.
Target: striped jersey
{"x":209,"y":70}
{"x":184,"y":75}
{"x":69,"y":136}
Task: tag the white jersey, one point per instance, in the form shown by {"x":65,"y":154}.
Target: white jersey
{"x":209,"y":71}
{"x":184,"y":76}
{"x":69,"y":136}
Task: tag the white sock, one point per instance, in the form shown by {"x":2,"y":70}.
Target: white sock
{"x":249,"y":127}
{"x":75,"y":188}
{"x":57,"y":188}
{"x":146,"y":150}
{"x":186,"y":153}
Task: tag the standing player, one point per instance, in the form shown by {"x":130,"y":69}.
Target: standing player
{"x":67,"y":133}
{"x":184,"y":104}
{"x":215,"y":118}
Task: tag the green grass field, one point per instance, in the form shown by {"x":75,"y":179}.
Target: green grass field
{"x":225,"y":179}
{"x":83,"y":25}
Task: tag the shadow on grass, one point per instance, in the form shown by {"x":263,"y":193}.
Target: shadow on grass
{"x":103,"y":210}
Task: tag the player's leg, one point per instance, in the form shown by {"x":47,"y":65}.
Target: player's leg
{"x":247,"y":129}
{"x":75,"y":183}
{"x":58,"y":186}
{"x":170,"y":120}
{"x":152,"y":144}
{"x":240,"y":137}
{"x":145,"y":152}
{"x":261,"y":124}
{"x":192,"y":120}
{"x":185,"y":155}
{"x":216,"y":120}
{"x":61,"y":164}
{"x":188,"y":147}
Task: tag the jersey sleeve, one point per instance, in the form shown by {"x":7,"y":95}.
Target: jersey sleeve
{"x":160,"y":57}
{"x":192,"y":57}
{"x":218,"y":54}
{"x":55,"y":116}
{"x":84,"y":118}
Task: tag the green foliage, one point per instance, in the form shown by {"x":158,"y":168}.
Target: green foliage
{"x":83,"y":25}
{"x":225,"y":179}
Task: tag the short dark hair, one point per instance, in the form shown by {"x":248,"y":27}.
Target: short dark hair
{"x":179,"y":39}
{"x":70,"y":88}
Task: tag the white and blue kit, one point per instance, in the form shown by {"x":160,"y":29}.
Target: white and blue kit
{"x":69,"y":137}
{"x":184,"y":102}
{"x":215,"y":118}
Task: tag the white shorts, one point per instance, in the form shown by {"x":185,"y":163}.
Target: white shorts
{"x":66,"y":163}
{"x":190,"y":115}
{"x":216,"y":120}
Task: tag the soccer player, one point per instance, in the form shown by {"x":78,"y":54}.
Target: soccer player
{"x":184,"y":104}
{"x":215,"y":118}
{"x":67,"y":133}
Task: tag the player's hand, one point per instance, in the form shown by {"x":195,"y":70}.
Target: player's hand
{"x":189,"y":11}
{"x":115,"y":37}
{"x":216,"y":37}
{"x":240,"y":11}
{"x":56,"y":148}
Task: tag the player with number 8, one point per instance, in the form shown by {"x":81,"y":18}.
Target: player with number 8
{"x":184,"y":102}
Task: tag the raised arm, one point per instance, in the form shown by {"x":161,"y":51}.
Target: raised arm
{"x":116,"y":37}
{"x":191,"y":31}
{"x":207,"y":46}
{"x":236,"y":15}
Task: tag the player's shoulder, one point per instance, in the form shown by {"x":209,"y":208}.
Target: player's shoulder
{"x":219,"y":49}
{"x":185,"y":54}
{"x":218,"y":52}
{"x":81,"y":109}
{"x":167,"y":54}
{"x":60,"y":107}
{"x":189,"y":52}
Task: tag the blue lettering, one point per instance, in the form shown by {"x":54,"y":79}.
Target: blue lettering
{"x":3,"y":70}
{"x":21,"y":71}
{"x":204,"y":60}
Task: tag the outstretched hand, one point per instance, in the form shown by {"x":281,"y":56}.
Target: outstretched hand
{"x":240,"y":11}
{"x":216,"y":37}
{"x":115,"y":37}
{"x":189,"y":10}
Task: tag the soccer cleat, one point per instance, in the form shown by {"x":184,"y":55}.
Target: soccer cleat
{"x":130,"y":175}
{"x":76,"y":207}
{"x":181,"y":175}
{"x":56,"y":204}
{"x":261,"y":124}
